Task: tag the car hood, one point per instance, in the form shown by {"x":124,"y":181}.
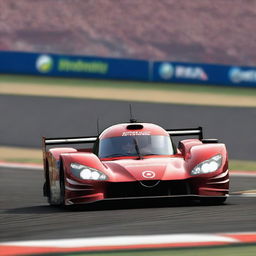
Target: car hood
{"x":162,"y":168}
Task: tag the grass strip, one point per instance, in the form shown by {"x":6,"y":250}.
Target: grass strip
{"x":214,"y":89}
{"x":128,"y":94}
{"x":242,"y":165}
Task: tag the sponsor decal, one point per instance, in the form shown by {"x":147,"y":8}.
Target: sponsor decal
{"x":166,"y":70}
{"x":135,"y":133}
{"x":67,"y":65}
{"x":238,"y":75}
{"x":44,"y":63}
{"x":148,"y":174}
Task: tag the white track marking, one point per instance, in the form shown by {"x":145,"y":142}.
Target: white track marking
{"x":21,"y":166}
{"x":243,"y":174}
{"x":126,"y":240}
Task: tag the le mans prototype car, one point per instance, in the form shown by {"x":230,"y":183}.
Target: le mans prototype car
{"x":135,"y":161}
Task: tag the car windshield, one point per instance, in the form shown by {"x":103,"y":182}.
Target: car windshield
{"x":135,"y":145}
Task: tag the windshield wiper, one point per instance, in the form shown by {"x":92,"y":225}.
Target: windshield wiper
{"x":137,"y":148}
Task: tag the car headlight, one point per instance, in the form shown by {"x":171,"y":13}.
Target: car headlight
{"x":87,"y":173}
{"x":208,"y":166}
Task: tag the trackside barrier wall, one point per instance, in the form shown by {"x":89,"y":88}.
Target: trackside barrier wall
{"x":192,"y":73}
{"x":125,"y":69}
{"x":72,"y":66}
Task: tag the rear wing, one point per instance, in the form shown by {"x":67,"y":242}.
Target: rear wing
{"x":187,"y":132}
{"x":64,"y":141}
{"x":67,"y":140}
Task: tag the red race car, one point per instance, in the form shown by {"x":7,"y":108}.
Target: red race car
{"x":135,"y":160}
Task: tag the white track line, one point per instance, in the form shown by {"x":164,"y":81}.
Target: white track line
{"x":126,"y":240}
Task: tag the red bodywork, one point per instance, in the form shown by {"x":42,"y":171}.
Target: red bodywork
{"x":133,"y":176}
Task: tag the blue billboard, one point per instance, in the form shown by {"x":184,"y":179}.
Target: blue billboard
{"x":73,"y":66}
{"x":195,"y":73}
{"x":125,"y":69}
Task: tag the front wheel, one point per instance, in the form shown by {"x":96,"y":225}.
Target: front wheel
{"x":57,"y":190}
{"x":62,"y":187}
{"x":212,"y":200}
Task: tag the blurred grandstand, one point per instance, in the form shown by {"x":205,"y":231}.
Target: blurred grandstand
{"x":208,"y":31}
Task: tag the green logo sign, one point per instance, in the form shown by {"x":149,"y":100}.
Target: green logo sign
{"x":44,"y":63}
{"x":83,"y":66}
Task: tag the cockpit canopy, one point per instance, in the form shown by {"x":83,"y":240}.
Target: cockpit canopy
{"x":136,"y":145}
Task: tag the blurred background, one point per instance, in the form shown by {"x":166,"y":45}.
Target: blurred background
{"x":186,"y":31}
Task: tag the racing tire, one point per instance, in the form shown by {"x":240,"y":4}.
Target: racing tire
{"x":48,"y":189}
{"x":60,"y":200}
{"x":62,"y":186}
{"x":46,"y":186}
{"x":50,"y":201}
{"x":212,"y":200}
{"x":50,"y":197}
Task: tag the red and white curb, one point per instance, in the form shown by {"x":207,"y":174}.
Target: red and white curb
{"x":124,"y":243}
{"x":243,"y":173}
{"x":21,"y":165}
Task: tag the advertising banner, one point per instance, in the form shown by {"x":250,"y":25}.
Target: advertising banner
{"x":193,"y":73}
{"x":125,"y":69}
{"x":73,"y":66}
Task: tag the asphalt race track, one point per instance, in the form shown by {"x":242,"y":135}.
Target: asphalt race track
{"x":25,"y":215}
{"x":24,"y":119}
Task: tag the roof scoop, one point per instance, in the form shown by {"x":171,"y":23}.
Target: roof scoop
{"x":134,"y":127}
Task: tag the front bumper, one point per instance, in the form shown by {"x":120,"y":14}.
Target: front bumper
{"x":147,"y":189}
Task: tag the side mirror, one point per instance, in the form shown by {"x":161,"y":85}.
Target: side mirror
{"x":185,"y":146}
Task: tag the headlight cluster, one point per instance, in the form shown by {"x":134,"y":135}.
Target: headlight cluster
{"x":208,"y":166}
{"x":87,"y":173}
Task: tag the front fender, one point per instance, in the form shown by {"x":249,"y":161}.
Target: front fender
{"x":200,"y":153}
{"x":87,"y":159}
